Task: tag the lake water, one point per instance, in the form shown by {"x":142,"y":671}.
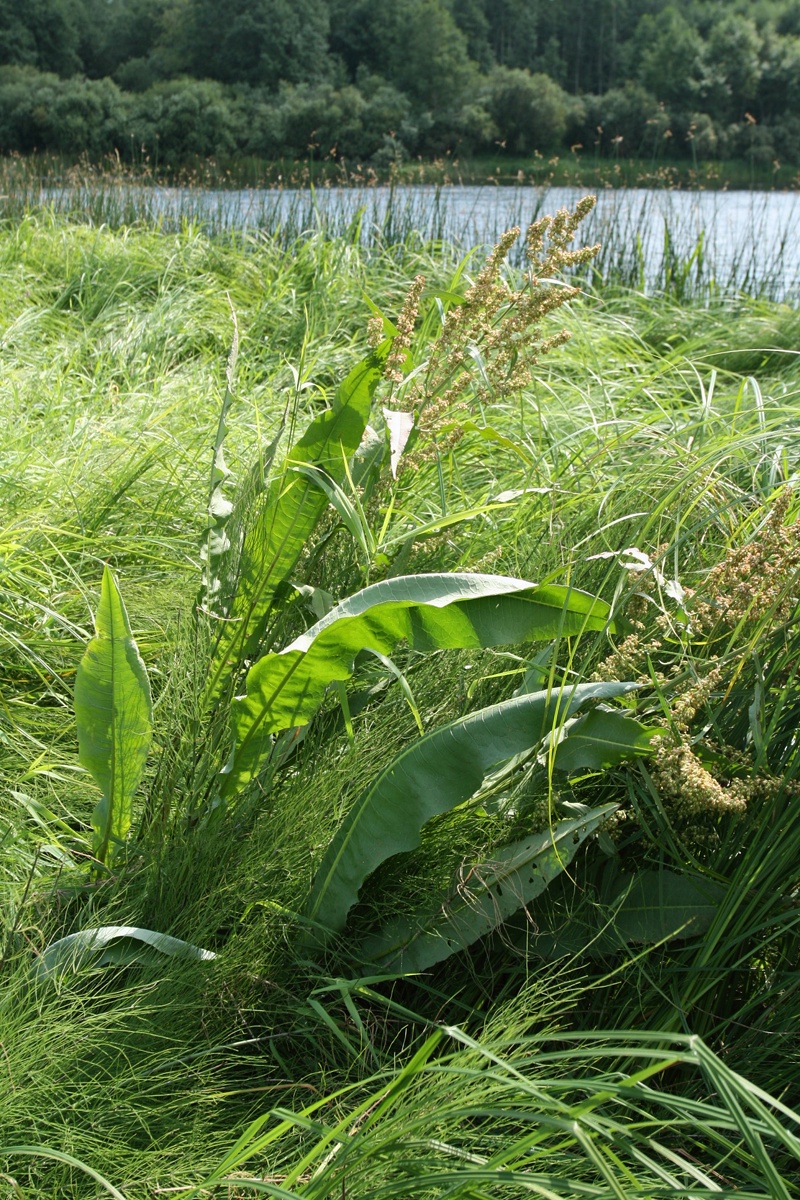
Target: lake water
{"x":728,"y":240}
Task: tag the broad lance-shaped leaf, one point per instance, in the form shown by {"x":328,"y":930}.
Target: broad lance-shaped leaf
{"x":431,"y":776}
{"x":431,"y":612}
{"x":651,"y":906}
{"x":288,"y":514}
{"x":114,"y":713}
{"x":661,"y":904}
{"x":599,"y":739}
{"x":484,"y":895}
{"x":120,"y":944}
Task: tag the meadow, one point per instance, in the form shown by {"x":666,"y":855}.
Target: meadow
{"x":398,"y":720}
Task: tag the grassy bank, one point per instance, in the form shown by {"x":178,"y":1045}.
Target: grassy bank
{"x":622,"y":1033}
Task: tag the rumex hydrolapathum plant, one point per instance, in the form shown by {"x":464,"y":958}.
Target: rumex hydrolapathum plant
{"x":497,"y":330}
{"x":250,"y":581}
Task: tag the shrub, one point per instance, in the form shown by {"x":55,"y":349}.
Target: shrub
{"x":785,"y":135}
{"x":531,"y":111}
{"x":629,"y":113}
{"x":386,"y":114}
{"x":779,"y":85}
{"x":322,"y":121}
{"x":190,"y":117}
{"x":41,"y":112}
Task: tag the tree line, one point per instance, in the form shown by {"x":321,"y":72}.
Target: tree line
{"x":384,"y":80}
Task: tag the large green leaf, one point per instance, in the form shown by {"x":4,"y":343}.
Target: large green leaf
{"x":661,"y":904}
{"x":431,"y":776}
{"x":430,"y":612}
{"x":113,"y":944}
{"x":114,"y":713}
{"x":288,"y":514}
{"x":654,"y":905}
{"x":483,"y":896}
{"x":600,"y":739}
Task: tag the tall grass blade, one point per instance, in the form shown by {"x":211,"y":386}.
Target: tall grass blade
{"x":564,"y":1117}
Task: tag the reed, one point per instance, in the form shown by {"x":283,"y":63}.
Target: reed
{"x":692,"y":245}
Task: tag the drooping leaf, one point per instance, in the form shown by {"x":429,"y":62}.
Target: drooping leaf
{"x":431,"y":612}
{"x":114,"y":713}
{"x":400,"y":425}
{"x":289,"y":512}
{"x":59,"y":1156}
{"x":117,"y":944}
{"x":600,"y":739}
{"x":431,"y":776}
{"x":484,"y":895}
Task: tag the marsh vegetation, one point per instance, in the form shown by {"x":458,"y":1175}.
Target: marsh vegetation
{"x":399,"y":720}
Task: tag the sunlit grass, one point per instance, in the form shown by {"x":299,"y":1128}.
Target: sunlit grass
{"x":659,"y":426}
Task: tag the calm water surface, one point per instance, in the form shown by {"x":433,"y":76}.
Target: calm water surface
{"x":748,"y":240}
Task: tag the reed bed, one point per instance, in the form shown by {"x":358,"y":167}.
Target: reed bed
{"x":690,"y":244}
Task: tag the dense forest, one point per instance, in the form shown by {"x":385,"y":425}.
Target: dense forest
{"x":386,"y":80}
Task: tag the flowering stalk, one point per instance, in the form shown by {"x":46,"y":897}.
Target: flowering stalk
{"x":489,"y":343}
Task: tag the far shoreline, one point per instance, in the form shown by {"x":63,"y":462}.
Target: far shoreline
{"x":539,"y":170}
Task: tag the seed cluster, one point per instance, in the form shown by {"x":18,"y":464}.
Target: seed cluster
{"x":757,"y":580}
{"x":405,"y":331}
{"x":688,"y":787}
{"x":489,"y":343}
{"x":753,"y":583}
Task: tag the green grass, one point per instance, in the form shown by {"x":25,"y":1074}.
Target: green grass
{"x":663,"y":426}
